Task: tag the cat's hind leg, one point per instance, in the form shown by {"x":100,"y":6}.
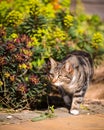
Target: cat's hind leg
{"x":77,"y":100}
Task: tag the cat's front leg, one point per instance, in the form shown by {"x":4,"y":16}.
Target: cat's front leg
{"x":66,"y":97}
{"x":68,"y":101}
{"x":76,"y":101}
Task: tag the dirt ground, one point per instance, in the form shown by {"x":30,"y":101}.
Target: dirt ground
{"x":91,"y":114}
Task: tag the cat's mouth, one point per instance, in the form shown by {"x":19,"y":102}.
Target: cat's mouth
{"x":54,"y":81}
{"x":58,"y":83}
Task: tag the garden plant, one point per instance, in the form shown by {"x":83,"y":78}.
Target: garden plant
{"x":31,"y":32}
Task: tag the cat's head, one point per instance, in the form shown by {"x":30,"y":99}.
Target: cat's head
{"x":60,"y":72}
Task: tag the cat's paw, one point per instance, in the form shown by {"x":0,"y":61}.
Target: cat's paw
{"x":74,"y":112}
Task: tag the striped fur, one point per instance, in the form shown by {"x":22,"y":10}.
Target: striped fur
{"x":72,"y":76}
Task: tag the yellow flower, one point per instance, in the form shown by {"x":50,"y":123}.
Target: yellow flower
{"x":29,"y":44}
{"x":97,"y":40}
{"x":58,"y":33}
{"x":14,"y":18}
{"x":22,"y":66}
{"x":95,"y":45}
{"x":12,"y":78}
{"x":14,"y":35}
{"x":68,"y":20}
{"x":1,"y":83}
{"x":97,"y":37}
{"x":80,"y":30}
{"x":7,"y":75}
{"x":22,"y":88}
{"x":1,"y":25}
{"x":29,"y":66}
{"x":26,"y":78}
{"x":34,"y":41}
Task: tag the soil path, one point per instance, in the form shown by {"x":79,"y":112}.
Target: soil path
{"x":81,"y":122}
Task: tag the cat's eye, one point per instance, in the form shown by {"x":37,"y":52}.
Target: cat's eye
{"x":67,"y":76}
{"x":51,"y":75}
{"x":59,"y":76}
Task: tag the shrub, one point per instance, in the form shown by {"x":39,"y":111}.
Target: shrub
{"x":20,"y":84}
{"x":30,"y":33}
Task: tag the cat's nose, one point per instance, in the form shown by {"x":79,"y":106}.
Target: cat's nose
{"x":54,"y":80}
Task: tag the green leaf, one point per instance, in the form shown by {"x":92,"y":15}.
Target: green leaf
{"x":39,"y":118}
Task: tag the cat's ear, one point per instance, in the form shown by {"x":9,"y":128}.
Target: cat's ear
{"x":68,"y":67}
{"x":53,"y":63}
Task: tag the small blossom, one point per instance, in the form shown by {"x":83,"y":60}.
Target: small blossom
{"x":26,"y":52}
{"x":97,"y":40}
{"x":1,"y":83}
{"x":11,"y":47}
{"x":14,"y":18}
{"x":12,"y":78}
{"x":7,"y":74}
{"x":34,"y":79}
{"x":20,"y":57}
{"x":14,"y":35}
{"x":22,"y":88}
{"x":17,"y":40}
{"x":56,"y":5}
{"x":29,"y":66}
{"x":97,"y":37}
{"x":80,"y":30}
{"x":59,"y":34}
{"x":29,"y":45}
{"x":26,"y":78}
{"x":2,"y":60}
{"x":22,"y":66}
{"x":24,"y":39}
{"x":68,"y":20}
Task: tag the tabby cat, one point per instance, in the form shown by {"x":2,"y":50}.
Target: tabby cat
{"x":72,"y":76}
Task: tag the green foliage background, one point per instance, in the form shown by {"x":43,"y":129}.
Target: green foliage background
{"x":31,"y":32}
